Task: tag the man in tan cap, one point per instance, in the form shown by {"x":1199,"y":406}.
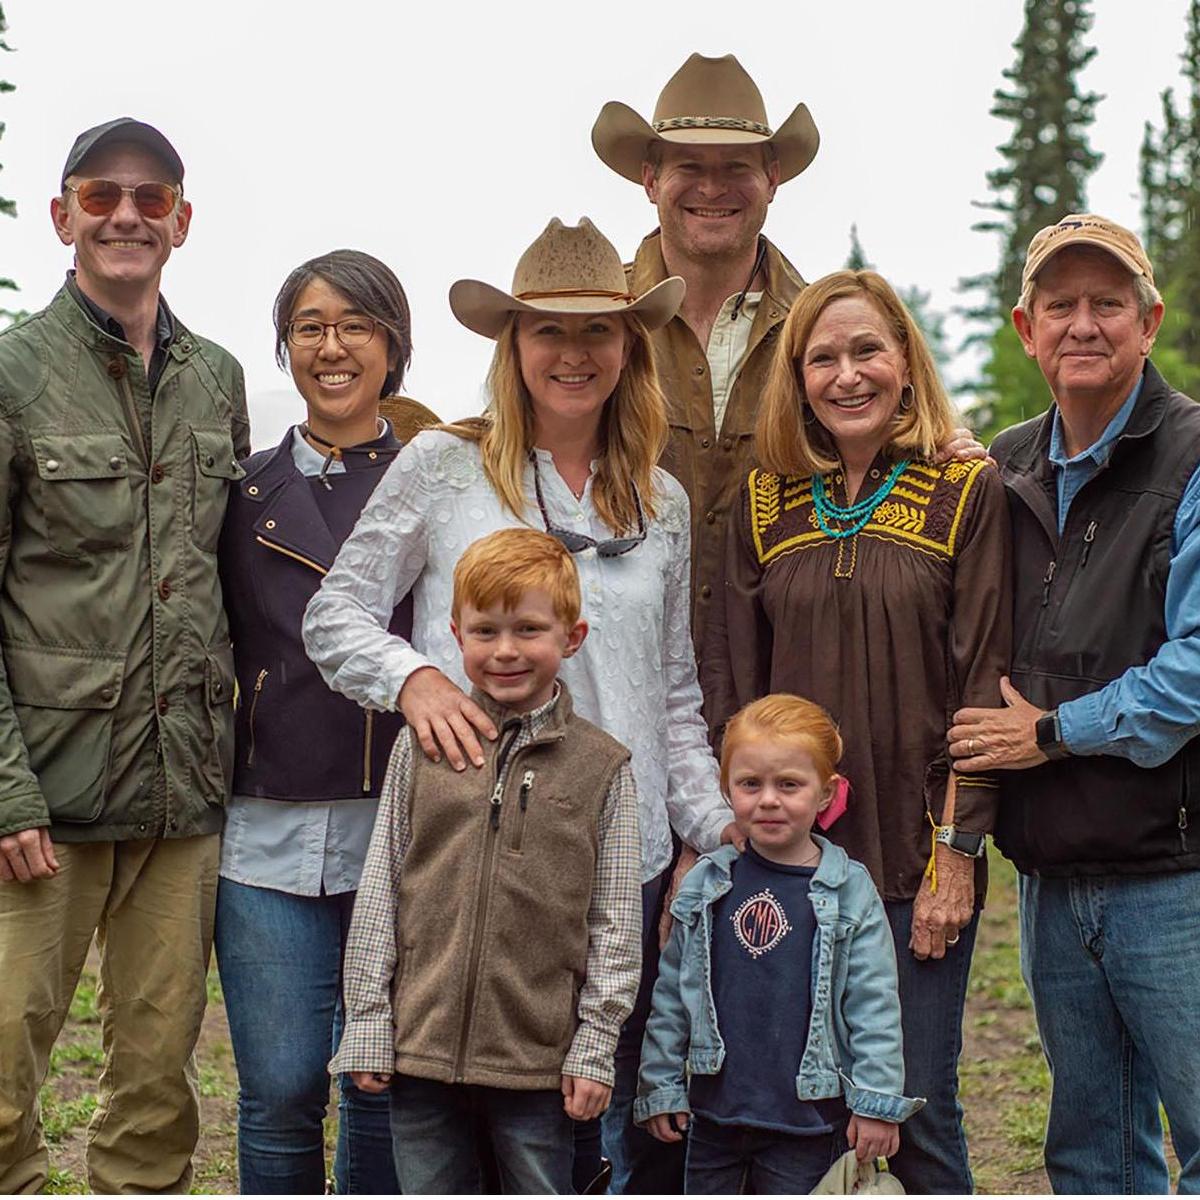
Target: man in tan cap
{"x":710,"y":163}
{"x":1099,"y":806}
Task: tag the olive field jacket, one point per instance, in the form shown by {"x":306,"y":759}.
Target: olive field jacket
{"x":116,"y":651}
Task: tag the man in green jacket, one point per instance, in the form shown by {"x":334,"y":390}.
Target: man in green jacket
{"x":120,"y":432}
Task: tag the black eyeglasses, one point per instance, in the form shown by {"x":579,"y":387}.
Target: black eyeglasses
{"x":576,"y":542}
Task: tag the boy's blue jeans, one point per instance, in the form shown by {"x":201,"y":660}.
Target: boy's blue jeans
{"x":725,"y":1160}
{"x":437,"y":1128}
{"x":1113,"y":965}
{"x":280,"y":958}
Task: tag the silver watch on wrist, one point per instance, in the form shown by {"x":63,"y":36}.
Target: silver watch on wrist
{"x":970,"y":845}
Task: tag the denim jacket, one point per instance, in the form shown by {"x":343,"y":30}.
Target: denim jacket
{"x":854,"y":1046}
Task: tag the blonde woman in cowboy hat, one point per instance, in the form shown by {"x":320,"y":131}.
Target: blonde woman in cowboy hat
{"x":569,"y":445}
{"x":864,"y":576}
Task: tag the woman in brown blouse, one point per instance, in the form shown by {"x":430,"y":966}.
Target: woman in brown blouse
{"x":864,"y":577}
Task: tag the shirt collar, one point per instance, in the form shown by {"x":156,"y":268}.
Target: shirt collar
{"x":310,"y":461}
{"x":1101,"y":449}
{"x":164,"y":324}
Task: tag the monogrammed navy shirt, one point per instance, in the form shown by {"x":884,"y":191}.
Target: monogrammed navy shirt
{"x":763,"y":930}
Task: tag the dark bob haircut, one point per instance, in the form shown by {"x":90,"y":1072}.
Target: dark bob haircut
{"x":368,"y":285}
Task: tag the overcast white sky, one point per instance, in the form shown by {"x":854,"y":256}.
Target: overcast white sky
{"x":441,"y":137}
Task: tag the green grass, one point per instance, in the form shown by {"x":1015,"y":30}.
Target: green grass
{"x":64,"y":1183}
{"x":83,"y":1004}
{"x":86,"y":1057}
{"x":60,"y":1117}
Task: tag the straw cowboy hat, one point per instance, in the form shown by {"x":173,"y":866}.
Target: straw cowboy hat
{"x":569,"y":269}
{"x":708,"y":101}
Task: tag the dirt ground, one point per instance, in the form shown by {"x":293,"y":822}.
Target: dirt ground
{"x":1004,"y":1079}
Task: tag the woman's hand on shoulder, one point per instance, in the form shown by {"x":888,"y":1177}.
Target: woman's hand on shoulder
{"x":963,"y":446}
{"x":445,"y":719}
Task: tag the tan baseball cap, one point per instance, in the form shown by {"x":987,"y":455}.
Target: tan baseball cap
{"x":1086,"y":229}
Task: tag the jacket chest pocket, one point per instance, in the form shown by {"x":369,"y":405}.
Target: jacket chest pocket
{"x":216,"y":468}
{"x":83,"y":492}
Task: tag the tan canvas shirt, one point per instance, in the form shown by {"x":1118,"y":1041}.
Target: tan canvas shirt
{"x":712,"y":461}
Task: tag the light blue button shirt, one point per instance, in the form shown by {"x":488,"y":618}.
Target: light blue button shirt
{"x":310,"y":849}
{"x":1149,"y":713}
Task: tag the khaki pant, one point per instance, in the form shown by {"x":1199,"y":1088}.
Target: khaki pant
{"x":150,"y":904}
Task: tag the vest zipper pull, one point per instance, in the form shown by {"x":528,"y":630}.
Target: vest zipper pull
{"x":1183,"y":821}
{"x":1088,"y":538}
{"x":1047,"y":581}
{"x":526,"y":788}
{"x":494,"y":803}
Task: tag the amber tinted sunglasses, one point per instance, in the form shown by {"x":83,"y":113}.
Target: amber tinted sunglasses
{"x":99,"y":197}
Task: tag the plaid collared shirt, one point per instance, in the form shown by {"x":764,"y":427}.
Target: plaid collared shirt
{"x":614,"y":922}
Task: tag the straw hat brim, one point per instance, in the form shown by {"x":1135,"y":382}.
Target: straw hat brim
{"x":485,"y":309}
{"x":620,"y":136}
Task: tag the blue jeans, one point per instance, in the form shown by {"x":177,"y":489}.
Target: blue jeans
{"x":437,"y":1127}
{"x":280,"y":958}
{"x":1113,"y":965}
{"x":932,"y":1159}
{"x":726,"y":1160}
{"x":642,"y":1166}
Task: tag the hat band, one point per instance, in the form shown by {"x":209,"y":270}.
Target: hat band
{"x":711,"y":123}
{"x":557,"y":292}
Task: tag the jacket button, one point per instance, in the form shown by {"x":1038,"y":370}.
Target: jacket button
{"x":115,"y":462}
{"x":164,"y":589}
{"x":372,"y":455}
{"x":107,"y":693}
{"x":699,"y":370}
{"x":116,"y":368}
{"x":163,"y":705}
{"x":52,"y":464}
{"x":209,"y":460}
{"x":705,"y":591}
{"x":157,"y":474}
{"x":217,"y":688}
{"x":142,"y":827}
{"x":269,"y":524}
{"x":727,"y":444}
{"x":705,"y":443}
{"x":172,"y":824}
{"x":710,"y":517}
{"x":252,"y":490}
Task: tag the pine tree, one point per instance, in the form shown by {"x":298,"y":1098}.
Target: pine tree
{"x":1170,"y":186}
{"x":856,"y":260}
{"x":1047,"y":164}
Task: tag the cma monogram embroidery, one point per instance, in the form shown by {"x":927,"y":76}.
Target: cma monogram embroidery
{"x":760,"y":923}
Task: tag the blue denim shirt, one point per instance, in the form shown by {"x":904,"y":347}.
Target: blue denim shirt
{"x":854,"y":1046}
{"x":1151,"y":711}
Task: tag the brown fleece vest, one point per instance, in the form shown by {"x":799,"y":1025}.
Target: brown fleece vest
{"x":492,"y":917}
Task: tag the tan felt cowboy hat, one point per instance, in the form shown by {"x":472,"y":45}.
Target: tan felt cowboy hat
{"x":708,"y":101}
{"x":569,"y":269}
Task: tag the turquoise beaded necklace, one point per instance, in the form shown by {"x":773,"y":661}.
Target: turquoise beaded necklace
{"x":858,"y":513}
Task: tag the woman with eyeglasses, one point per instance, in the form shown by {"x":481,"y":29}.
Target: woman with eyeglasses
{"x":309,"y":763}
{"x":569,"y":443}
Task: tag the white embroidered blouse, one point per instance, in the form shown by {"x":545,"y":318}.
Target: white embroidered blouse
{"x":635,"y":675}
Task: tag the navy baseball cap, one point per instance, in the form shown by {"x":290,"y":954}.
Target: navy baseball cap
{"x":123,"y":129}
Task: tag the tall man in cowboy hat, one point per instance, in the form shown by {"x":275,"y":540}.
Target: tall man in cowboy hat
{"x":1101,"y":737}
{"x":120,"y":431}
{"x":710,"y":164}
